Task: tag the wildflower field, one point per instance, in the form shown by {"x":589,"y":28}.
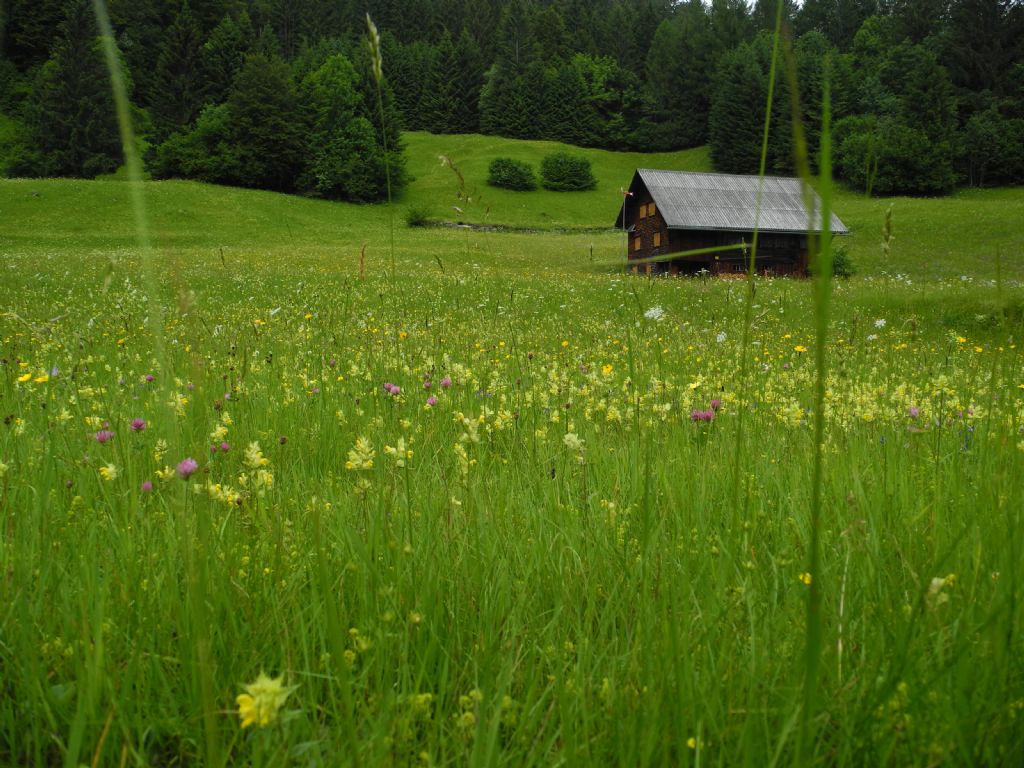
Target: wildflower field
{"x":491,"y":502}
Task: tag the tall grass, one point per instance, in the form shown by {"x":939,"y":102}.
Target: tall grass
{"x":524,"y":550}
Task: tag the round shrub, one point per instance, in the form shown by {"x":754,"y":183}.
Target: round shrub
{"x":511,"y":174}
{"x":565,"y":172}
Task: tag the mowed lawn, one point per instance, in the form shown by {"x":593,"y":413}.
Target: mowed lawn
{"x":274,"y":494}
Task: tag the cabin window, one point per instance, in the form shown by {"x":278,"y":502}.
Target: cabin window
{"x":643,"y":211}
{"x":650,"y":209}
{"x":657,"y":239}
{"x":636,"y":243}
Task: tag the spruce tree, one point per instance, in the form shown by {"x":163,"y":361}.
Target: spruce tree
{"x":439,"y":105}
{"x":223,"y":55}
{"x":70,"y":117}
{"x":266,"y":123}
{"x":736,"y":119}
{"x":469,"y":79}
{"x":679,"y":71}
{"x":177,"y":88}
{"x":31,"y":29}
{"x":409,"y":68}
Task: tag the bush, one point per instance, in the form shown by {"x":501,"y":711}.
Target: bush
{"x":511,"y":174}
{"x":564,"y":172}
{"x":842,"y":264}
{"x":417,"y":217}
{"x":889,"y":157}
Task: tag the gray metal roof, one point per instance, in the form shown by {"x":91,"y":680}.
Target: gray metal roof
{"x":729,"y":202}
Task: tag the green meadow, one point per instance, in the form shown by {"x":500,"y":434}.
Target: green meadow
{"x":273,"y":493}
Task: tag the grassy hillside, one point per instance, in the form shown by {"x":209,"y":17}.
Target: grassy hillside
{"x":435,"y":188}
{"x":934,"y":237}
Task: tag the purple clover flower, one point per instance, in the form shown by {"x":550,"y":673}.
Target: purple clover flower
{"x":138,"y":425}
{"x":701,"y":415}
{"x":431,"y":401}
{"x":147,"y":487}
{"x":446,"y":382}
{"x":187,"y":468}
{"x":104,"y":436}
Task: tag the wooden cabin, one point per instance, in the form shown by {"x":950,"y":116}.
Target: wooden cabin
{"x":668,"y":212}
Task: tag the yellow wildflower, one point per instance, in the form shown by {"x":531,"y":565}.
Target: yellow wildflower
{"x":254,"y":456}
{"x":806,"y":579}
{"x":800,"y":348}
{"x":361,"y":456}
{"x":108,"y":472}
{"x":262,"y":700}
{"x":400,"y":452}
{"x":25,"y":377}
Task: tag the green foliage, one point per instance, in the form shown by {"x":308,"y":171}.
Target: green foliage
{"x":566,"y":172}
{"x":266,"y":123}
{"x":223,"y":55}
{"x":511,"y":174}
{"x":888,"y":157}
{"x":904,"y":139}
{"x":12,"y":142}
{"x":736,"y":121}
{"x":350,"y":166}
{"x":31,"y":30}
{"x":417,"y":217}
{"x":994,"y":149}
{"x":177,"y":88}
{"x":441,"y":98}
{"x":209,"y":152}
{"x":621,"y":74}
{"x":70,"y":119}
{"x":679,"y":70}
{"x":842,"y":262}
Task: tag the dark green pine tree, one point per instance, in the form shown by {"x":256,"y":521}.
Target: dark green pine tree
{"x":177,"y":88}
{"x":70,"y":115}
{"x":507,"y":100}
{"x":267,"y":124}
{"x":31,"y":27}
{"x":469,"y":79}
{"x":439,"y":106}
{"x":550,"y":39}
{"x":762,"y":14}
{"x":566,"y":113}
{"x":730,"y":24}
{"x":736,"y":120}
{"x":387,"y":130}
{"x":679,"y":71}
{"x":344,"y":160}
{"x":985,"y":40}
{"x":409,"y":68}
{"x":141,"y":26}
{"x":223,"y":55}
{"x":837,"y":20}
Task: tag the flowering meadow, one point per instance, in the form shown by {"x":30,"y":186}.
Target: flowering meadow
{"x":492,"y":505}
